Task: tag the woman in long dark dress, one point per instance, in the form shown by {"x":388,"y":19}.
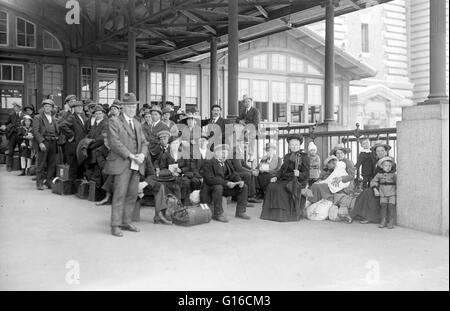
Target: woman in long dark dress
{"x":367,"y":205}
{"x":283,"y":200}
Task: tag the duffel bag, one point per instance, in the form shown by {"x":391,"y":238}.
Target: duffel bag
{"x":192,"y":215}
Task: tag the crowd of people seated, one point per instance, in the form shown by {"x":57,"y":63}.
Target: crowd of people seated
{"x":161,"y":150}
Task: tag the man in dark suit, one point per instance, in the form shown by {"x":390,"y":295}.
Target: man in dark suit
{"x":152,"y":127}
{"x":250,"y":116}
{"x":221,"y":180}
{"x":75,"y":128}
{"x":45,"y":132}
{"x":216,"y":125}
{"x":125,"y":162}
{"x":100,"y":126}
{"x":12,"y":132}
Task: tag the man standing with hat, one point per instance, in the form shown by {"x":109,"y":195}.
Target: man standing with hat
{"x":100,"y":126}
{"x":152,"y":130}
{"x":219,"y":179}
{"x":75,"y":128}
{"x":12,"y":131}
{"x":128,"y":149}
{"x":45,"y":132}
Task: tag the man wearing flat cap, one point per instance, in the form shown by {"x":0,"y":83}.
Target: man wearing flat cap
{"x":152,"y":127}
{"x":75,"y":128}
{"x":125,"y":162}
{"x":100,"y":126}
{"x":219,"y":179}
{"x":12,"y":131}
{"x":45,"y":132}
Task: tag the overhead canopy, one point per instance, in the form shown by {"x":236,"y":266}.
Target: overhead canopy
{"x":174,"y":30}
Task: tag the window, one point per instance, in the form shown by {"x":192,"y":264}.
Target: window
{"x":53,"y":82}
{"x":278,"y":62}
{"x":191,"y":91}
{"x":86,"y":82}
{"x":156,"y":90}
{"x":314,"y":102}
{"x":312,"y":70}
{"x":9,"y":96}
{"x":107,"y":85}
{"x":174,"y":88}
{"x":261,"y":97}
{"x":297,"y":113}
{"x":3,"y":28}
{"x":26,"y":33}
{"x":125,"y":81}
{"x":296,"y":65}
{"x":365,"y":38}
{"x":279,"y":98}
{"x":297,"y":92}
{"x":260,"y":61}
{"x":11,"y":73}
{"x":244,"y":88}
{"x":243,"y":63}
{"x":50,"y":42}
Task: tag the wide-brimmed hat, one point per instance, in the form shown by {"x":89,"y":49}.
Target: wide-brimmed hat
{"x":17,"y":104}
{"x":48,"y":102}
{"x":69,"y":97}
{"x":382,"y":160}
{"x":295,"y":136}
{"x":156,"y":108}
{"x":164,"y":134}
{"x":330,"y":158}
{"x":380,"y":143}
{"x":129,"y":99}
{"x":28,"y":107}
{"x":26,"y":117}
{"x":340,"y":147}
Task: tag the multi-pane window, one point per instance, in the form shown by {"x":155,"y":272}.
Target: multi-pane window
{"x":261,"y":97}
{"x":314,"y":102}
{"x":296,"y":65}
{"x":244,"y":88}
{"x":174,"y":88}
{"x":243,"y":63}
{"x":107,"y":85}
{"x":53,"y":82}
{"x":26,"y":33}
{"x":11,"y":73}
{"x":279,"y":98}
{"x":191,"y":91}
{"x":365,"y":38}
{"x":297,"y":92}
{"x":86,"y":82}
{"x":312,"y":70}
{"x":50,"y":42}
{"x":279,"y":62}
{"x":156,"y":86}
{"x":3,"y":28}
{"x":260,"y":61}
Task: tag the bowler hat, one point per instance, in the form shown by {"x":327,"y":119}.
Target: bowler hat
{"x":339,"y":147}
{"x":129,"y":99}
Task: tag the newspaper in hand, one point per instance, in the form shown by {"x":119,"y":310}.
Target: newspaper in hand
{"x":134,"y":166}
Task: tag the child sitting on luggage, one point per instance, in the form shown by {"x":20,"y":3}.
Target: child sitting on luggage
{"x":384,"y":185}
{"x":366,"y":160}
{"x":314,"y":164}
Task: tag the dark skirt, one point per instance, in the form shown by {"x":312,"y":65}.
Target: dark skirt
{"x":367,"y":206}
{"x":279,"y":205}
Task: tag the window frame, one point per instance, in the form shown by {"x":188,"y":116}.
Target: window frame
{"x":12,"y":73}
{"x":7,"y":29}
{"x":278,"y":55}
{"x":91,"y":84}
{"x":176,"y":88}
{"x":155,"y":96}
{"x":266,"y":56}
{"x":186,"y":86}
{"x":52,"y":36}
{"x":17,"y":33}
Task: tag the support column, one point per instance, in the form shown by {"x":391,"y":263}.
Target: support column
{"x":131,"y":61}
{"x":438,"y":88}
{"x":165,"y":79}
{"x":233,"y":58}
{"x":213,"y":73}
{"x":329,"y":60}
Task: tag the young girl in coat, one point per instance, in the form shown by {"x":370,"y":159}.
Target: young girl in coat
{"x":366,"y":160}
{"x":314,"y":164}
{"x":26,"y":148}
{"x":384,"y":185}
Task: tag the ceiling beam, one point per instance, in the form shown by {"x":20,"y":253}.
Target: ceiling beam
{"x":195,"y":18}
{"x":225,"y":15}
{"x":157,"y":34}
{"x":262,"y":11}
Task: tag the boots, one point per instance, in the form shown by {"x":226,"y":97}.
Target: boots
{"x":39,"y":185}
{"x":23,"y":173}
{"x":392,"y":214}
{"x":383,"y":213}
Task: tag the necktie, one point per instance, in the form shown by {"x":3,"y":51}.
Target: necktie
{"x":131,"y":125}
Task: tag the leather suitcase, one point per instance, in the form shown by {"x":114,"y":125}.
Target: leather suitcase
{"x":62,"y":187}
{"x":62,"y":171}
{"x":192,"y":215}
{"x":83,"y":190}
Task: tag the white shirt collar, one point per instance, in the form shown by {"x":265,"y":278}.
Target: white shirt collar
{"x":156,"y":123}
{"x":49,"y":118}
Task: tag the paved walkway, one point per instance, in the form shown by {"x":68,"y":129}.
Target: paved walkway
{"x":44,"y":238}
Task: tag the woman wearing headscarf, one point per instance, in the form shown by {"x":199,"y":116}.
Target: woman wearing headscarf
{"x":367,"y":205}
{"x":283,"y":200}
